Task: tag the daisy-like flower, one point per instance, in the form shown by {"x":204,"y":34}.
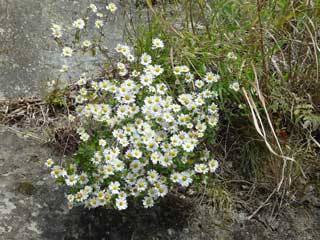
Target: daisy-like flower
{"x":201,"y":168}
{"x":199,"y":83}
{"x":111,"y":7}
{"x":213,"y":165}
{"x":232,"y":56}
{"x":83,"y":91}
{"x":155,"y":157}
{"x":185,"y":179}
{"x":121,"y":203}
{"x":153,"y":193}
{"x":80,"y":196}
{"x":210,"y":77}
{"x":121,"y":66}
{"x":82,"y":81}
{"x":93,"y":203}
{"x":162,"y":89}
{"x":175,"y":140}
{"x":163,"y":190}
{"x":135,"y":73}
{"x":84,"y":137}
{"x":135,"y":166}
{"x":57,"y":34}
{"x":100,"y":15}
{"x":80,"y":130}
{"x":213,"y":120}
{"x":56,"y":31}
{"x":184,"y":69}
{"x":199,"y":101}
{"x":64,"y":68}
{"x":56,"y":27}
{"x":177,"y":70}
{"x":100,"y":194}
{"x":189,"y":77}
{"x":148,"y":69}
{"x":79,"y":23}
{"x":114,"y":187}
{"x":67,"y":52}
{"x":94,"y":85}
{"x":157,"y":70}
{"x":188,"y":146}
{"x":122,"y":195}
{"x":118,"y":48}
{"x":148,"y":202}
{"x":235,"y":86}
{"x":51,"y":83}
{"x":123,"y":72}
{"x":146,"y":79}
{"x":93,"y":8}
{"x":201,"y":127}
{"x":102,"y":143}
{"x":71,"y":180}
{"x":125,"y":50}
{"x":136,"y":153}
{"x":57,"y":171}
{"x":131,"y":179}
{"x":70,"y":198}
{"x":153,"y":176}
{"x":130,"y":58}
{"x":99,"y":23}
{"x":128,"y":98}
{"x":49,"y":163}
{"x":119,"y":165}
{"x":108,"y":170}
{"x":83,"y":179}
{"x":175,"y":177}
{"x":213,"y":108}
{"x":145,"y":59}
{"x":86,"y":43}
{"x":157,"y":43}
{"x":141,"y":185}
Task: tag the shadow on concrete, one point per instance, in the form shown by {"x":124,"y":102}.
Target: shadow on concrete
{"x":164,"y":221}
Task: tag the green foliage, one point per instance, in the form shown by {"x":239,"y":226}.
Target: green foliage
{"x":270,"y":46}
{"x":305,"y":113}
{"x":57,"y":97}
{"x":275,"y":39}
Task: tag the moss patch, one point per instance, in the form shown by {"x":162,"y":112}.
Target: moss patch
{"x":26,"y":188}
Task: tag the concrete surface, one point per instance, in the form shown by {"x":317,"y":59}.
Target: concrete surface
{"x":28,"y":54}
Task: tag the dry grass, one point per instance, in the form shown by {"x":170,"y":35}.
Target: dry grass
{"x":44,"y":121}
{"x":29,"y":112}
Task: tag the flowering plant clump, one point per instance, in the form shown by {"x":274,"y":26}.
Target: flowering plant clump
{"x":143,"y":129}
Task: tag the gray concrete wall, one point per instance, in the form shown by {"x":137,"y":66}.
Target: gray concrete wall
{"x":28,"y":54}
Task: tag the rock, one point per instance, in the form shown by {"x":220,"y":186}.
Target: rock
{"x":171,"y":232}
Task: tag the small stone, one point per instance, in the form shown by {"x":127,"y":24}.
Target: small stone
{"x":171,"y":232}
{"x":185,"y":230}
{"x":34,"y":158}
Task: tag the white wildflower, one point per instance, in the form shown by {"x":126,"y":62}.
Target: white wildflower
{"x":79,"y":23}
{"x":157,"y":43}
